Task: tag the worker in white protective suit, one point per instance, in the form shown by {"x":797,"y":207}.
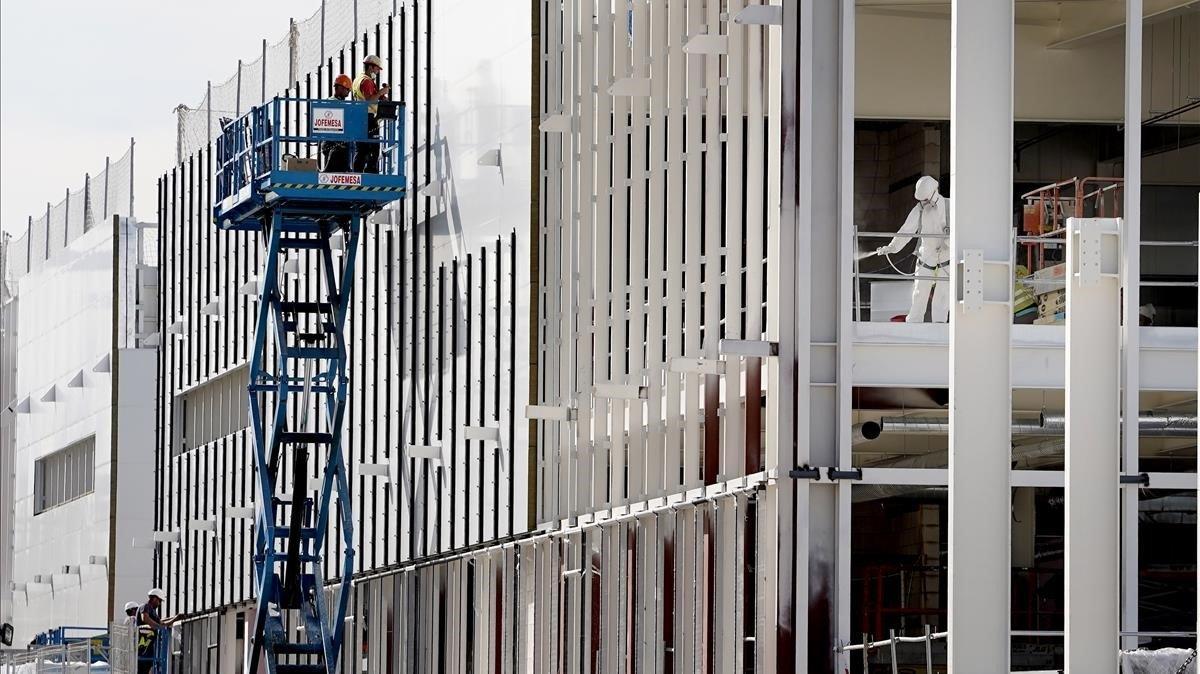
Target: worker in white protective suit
{"x":931,"y":215}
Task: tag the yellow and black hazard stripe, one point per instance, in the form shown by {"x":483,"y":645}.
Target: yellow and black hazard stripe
{"x":352,"y":188}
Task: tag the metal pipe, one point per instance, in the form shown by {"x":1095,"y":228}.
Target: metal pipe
{"x":864,"y":432}
{"x":892,"y":638}
{"x":887,"y":235}
{"x":1149,"y":425}
{"x":1159,"y":426}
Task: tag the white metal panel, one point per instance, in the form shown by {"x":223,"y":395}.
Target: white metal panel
{"x":619,"y":251}
{"x":676,"y":62}
{"x":658,"y":206}
{"x":726,"y":628}
{"x":733,"y":456}
{"x":600,"y":449}
{"x":713,"y":253}
{"x":694,"y":173}
{"x":638,"y":272}
{"x":584,"y":300}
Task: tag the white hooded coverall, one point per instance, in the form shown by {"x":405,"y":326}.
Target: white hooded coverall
{"x":931,"y":215}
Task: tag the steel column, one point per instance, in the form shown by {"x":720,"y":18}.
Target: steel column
{"x":1131,"y":274}
{"x":845,"y":339}
{"x":1092,"y":453}
{"x":981,"y":131}
{"x":823,"y":161}
{"x":786,"y":241}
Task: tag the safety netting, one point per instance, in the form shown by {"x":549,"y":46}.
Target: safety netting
{"x":1159,"y":661}
{"x":303,"y":47}
{"x":99,"y":197}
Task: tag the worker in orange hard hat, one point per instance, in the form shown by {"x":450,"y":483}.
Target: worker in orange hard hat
{"x":342,"y":84}
{"x":365,"y":88}
{"x":336,"y":154}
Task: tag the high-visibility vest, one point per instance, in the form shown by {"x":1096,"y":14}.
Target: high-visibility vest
{"x":357,"y":94}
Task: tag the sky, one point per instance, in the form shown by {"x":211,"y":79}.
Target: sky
{"x":79,"y":78}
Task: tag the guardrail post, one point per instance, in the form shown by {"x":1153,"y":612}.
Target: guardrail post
{"x":892,"y":645}
{"x":928,"y":649}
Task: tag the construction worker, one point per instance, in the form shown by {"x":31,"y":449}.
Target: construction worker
{"x":931,"y":216}
{"x":366,"y":158}
{"x":131,"y":608}
{"x":336,"y":154}
{"x":149,"y":621}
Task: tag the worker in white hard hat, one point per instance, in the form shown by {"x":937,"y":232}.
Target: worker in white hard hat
{"x":931,"y":216}
{"x":366,"y":158}
{"x":149,"y":621}
{"x":131,"y":608}
{"x":1146,"y":314}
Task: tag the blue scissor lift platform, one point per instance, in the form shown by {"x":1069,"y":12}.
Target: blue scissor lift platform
{"x":266,"y":184}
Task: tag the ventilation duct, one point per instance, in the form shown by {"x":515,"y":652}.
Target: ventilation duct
{"x":1053,"y":425}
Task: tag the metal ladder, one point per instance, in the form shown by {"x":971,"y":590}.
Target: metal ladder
{"x":300,"y":347}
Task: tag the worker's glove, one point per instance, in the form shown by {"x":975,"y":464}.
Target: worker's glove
{"x":884,"y":250}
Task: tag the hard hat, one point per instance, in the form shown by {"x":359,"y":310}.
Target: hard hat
{"x":373,"y":60}
{"x":926,"y":188}
{"x":157,"y":592}
{"x":130,"y":604}
{"x":1147,"y":310}
{"x":344,"y":81}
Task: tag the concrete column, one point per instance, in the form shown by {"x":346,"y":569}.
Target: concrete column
{"x":1131,"y":244}
{"x":981,"y":110}
{"x":1093,"y":453}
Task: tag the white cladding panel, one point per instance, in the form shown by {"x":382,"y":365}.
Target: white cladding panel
{"x":64,"y":334}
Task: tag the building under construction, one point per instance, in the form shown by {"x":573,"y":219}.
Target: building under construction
{"x":623,"y":357}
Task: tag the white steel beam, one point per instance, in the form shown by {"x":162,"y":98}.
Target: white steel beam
{"x":1131,"y":260}
{"x":790,"y":372}
{"x":981,"y":114}
{"x":847,"y":249}
{"x":1092,"y":453}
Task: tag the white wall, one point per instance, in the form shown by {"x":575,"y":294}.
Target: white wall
{"x":65,"y":327}
{"x":903,"y":72}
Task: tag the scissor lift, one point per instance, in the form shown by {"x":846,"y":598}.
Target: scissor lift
{"x":263,"y":185}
